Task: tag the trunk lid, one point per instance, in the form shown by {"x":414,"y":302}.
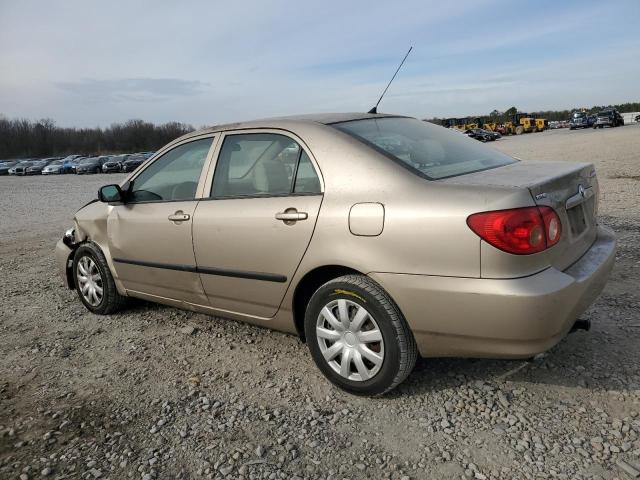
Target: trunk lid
{"x":571,"y":189}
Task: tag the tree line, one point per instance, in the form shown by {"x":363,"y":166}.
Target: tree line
{"x":551,"y":115}
{"x":22,"y":138}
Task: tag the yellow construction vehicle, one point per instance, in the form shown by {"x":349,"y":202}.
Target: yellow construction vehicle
{"x":542,"y":124}
{"x":495,"y":127}
{"x":473,"y":123}
{"x":492,"y":126}
{"x":456,"y":123}
{"x":520,"y":123}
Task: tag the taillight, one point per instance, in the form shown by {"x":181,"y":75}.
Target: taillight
{"x":521,"y":231}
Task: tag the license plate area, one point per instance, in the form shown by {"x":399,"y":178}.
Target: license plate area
{"x":577,"y":220}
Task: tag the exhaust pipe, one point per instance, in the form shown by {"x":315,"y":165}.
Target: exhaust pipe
{"x":581,"y":325}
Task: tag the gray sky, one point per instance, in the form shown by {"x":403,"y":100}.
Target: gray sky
{"x":87,"y":63}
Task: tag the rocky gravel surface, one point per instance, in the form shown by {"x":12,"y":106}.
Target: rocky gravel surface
{"x":155,"y":393}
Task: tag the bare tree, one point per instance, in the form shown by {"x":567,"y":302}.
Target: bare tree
{"x":22,"y":138}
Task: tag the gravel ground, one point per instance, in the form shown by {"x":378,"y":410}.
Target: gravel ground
{"x":155,"y":392}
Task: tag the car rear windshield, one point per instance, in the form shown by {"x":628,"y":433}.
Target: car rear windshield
{"x":428,"y":150}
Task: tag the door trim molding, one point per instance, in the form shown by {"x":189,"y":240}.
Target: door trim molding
{"x":222,"y":272}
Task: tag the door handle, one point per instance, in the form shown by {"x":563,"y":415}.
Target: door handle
{"x":179,"y":216}
{"x":291,"y":215}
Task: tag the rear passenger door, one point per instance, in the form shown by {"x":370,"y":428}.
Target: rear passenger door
{"x":251,"y":231}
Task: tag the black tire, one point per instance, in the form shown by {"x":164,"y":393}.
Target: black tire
{"x":111,"y":300}
{"x":400,"y":350}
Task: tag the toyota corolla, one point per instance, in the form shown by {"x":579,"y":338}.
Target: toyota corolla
{"x":375,"y":238}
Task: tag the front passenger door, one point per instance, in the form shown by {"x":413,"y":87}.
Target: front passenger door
{"x":150,"y":235}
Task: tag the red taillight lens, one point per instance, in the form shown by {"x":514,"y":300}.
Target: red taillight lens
{"x":518,"y":230}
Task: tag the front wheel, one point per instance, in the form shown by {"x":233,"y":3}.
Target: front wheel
{"x":94,"y":282}
{"x":358,"y":337}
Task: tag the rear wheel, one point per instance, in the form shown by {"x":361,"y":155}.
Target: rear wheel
{"x":358,"y":337}
{"x":94,"y":282}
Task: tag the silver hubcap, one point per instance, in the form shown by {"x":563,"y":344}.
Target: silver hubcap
{"x":89,"y":281}
{"x":350,"y":340}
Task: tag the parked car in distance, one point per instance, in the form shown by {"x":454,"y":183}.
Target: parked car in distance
{"x":69,"y":166}
{"x":53,"y":168}
{"x":133,"y":162}
{"x":89,"y":165}
{"x":69,"y":163}
{"x":465,"y":251}
{"x":114,"y":163}
{"x":20,"y":168}
{"x":494,"y":135}
{"x":6,"y":166}
{"x":609,"y":118}
{"x":480,"y":134}
{"x":580,"y":120}
{"x":37,"y":166}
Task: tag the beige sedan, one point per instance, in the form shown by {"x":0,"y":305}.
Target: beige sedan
{"x":374,"y":238}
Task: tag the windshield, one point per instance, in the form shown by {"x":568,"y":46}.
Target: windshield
{"x":579,"y":115}
{"x":429,"y":150}
{"x":85,"y":161}
{"x":605,"y":114}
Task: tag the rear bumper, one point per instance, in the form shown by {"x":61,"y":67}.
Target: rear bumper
{"x":514,"y":318}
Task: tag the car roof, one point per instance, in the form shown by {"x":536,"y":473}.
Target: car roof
{"x":276,"y":122}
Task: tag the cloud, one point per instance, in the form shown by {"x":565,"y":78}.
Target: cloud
{"x":133,"y":89}
{"x":216,"y":62}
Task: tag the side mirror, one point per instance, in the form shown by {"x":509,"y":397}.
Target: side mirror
{"x":111,"y":194}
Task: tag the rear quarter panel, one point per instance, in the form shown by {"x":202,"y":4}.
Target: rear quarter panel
{"x":425,"y":230}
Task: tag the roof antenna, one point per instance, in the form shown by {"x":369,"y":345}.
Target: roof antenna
{"x":375,"y":109}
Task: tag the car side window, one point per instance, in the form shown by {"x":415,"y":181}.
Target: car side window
{"x":255,"y":164}
{"x":307,"y":180}
{"x":173,"y":176}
